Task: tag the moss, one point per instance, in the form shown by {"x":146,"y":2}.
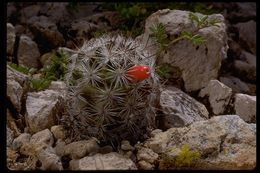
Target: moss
{"x":175,"y":158}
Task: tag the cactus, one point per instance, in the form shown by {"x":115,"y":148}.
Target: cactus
{"x":106,"y":99}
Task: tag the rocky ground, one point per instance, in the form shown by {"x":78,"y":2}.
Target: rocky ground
{"x":208,"y":106}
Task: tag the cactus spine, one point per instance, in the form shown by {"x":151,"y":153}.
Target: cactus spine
{"x":103,"y":101}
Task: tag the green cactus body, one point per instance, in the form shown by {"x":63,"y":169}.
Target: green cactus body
{"x":102,"y":100}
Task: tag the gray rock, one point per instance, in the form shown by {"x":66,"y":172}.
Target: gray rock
{"x":147,"y":155}
{"x":38,"y":142}
{"x":45,"y":59}
{"x":79,"y":149}
{"x":110,"y":161}
{"x":247,"y":34}
{"x":245,"y":107}
{"x":43,"y":109}
{"x":28,"y":52}
{"x":235,"y":84}
{"x":180,"y":109}
{"x":219,"y":96}
{"x":60,"y":147}
{"x":21,"y":140}
{"x":245,"y":10}
{"x":28,"y":12}
{"x":21,"y":78}
{"x":12,"y":123}
{"x":9,"y":136}
{"x":56,"y":12}
{"x":245,"y":70}
{"x":10,"y":38}
{"x":126,"y":146}
{"x":44,"y":28}
{"x":58,"y":132}
{"x":105,"y":149}
{"x":43,"y":137}
{"x":225,"y":142}
{"x":11,"y":9}
{"x":249,"y":58}
{"x":145,"y":165}
{"x":82,"y":27}
{"x":59,"y":86}
{"x":158,"y":143}
{"x":15,"y":93}
{"x":20,"y":29}
{"x":49,"y":159}
{"x":199,"y":64}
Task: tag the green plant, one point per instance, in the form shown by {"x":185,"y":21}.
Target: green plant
{"x":55,"y":71}
{"x":202,"y":21}
{"x":164,"y":71}
{"x":180,"y":157}
{"x":40,"y":84}
{"x":22,"y":69}
{"x":104,"y":101}
{"x":159,"y":34}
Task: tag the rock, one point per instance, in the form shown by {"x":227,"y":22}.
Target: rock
{"x":45,"y":59}
{"x":83,"y":10}
{"x":249,"y":58}
{"x":105,"y":20}
{"x":11,"y":157}
{"x":46,"y":32}
{"x":20,"y":29}
{"x":20,"y":141}
{"x":28,"y":52}
{"x":14,"y":94}
{"x":28,"y":12}
{"x":79,"y":149}
{"x":105,"y":149}
{"x":49,"y":159}
{"x":9,"y":136}
{"x":59,"y":86}
{"x":179,"y":158}
{"x":129,"y":154}
{"x":126,"y":146}
{"x":198,"y":63}
{"x":11,"y":10}
{"x":12,"y":123}
{"x":21,"y":78}
{"x":44,"y":137}
{"x":147,"y":155}
{"x":158,"y":143}
{"x":245,"y":107}
{"x":238,"y":11}
{"x":224,"y":142}
{"x":219,"y":96}
{"x":58,"y":132}
{"x":110,"y":161}
{"x":154,"y":132}
{"x":38,"y":142}
{"x":10,"y":38}
{"x":43,"y":109}
{"x":82,"y":27}
{"x":247,"y":35}
{"x":245,"y":70}
{"x":145,"y":165}
{"x":56,"y":12}
{"x":59,"y":148}
{"x":180,"y":109}
{"x":235,"y":84}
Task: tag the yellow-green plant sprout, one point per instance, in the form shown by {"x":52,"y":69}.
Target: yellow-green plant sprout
{"x":175,"y":158}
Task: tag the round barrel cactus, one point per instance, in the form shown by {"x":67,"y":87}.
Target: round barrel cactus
{"x":112,"y":90}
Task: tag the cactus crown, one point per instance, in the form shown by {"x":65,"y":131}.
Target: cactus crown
{"x":103,"y":101}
